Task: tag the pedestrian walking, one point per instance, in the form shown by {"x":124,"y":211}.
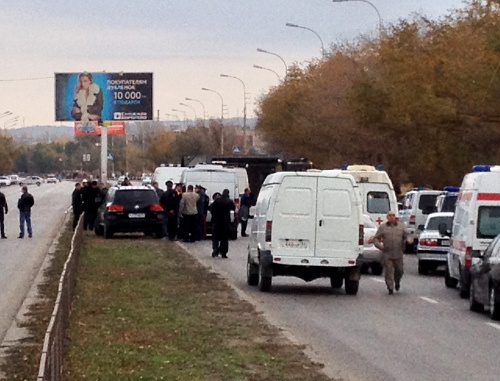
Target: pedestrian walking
{"x":77,"y":204}
{"x":4,"y":209}
{"x":221,"y":221}
{"x":25,"y":203}
{"x":246,"y":203}
{"x":189,"y":211}
{"x":391,"y":238}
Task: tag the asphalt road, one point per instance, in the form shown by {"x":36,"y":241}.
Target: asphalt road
{"x":20,"y":259}
{"x":423,"y":332}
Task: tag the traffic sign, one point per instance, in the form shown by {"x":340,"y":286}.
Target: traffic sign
{"x":236,"y":150}
{"x":111,"y":156}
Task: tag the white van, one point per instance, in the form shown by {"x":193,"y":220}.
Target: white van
{"x":377,"y":191}
{"x":476,"y":223}
{"x":215,"y":178}
{"x":308,"y":225}
{"x":170,"y":172}
{"x":416,"y":206}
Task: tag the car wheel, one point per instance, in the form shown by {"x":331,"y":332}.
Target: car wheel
{"x":494,"y":304}
{"x":159,"y":233}
{"x":337,"y":281}
{"x":422,"y":268}
{"x":107,"y":232}
{"x":377,"y":268}
{"x":38,"y":183}
{"x":99,"y":230}
{"x":351,"y":286}
{"x":252,"y":273}
{"x":265,"y":282}
{"x":448,"y":280}
{"x":473,"y":305}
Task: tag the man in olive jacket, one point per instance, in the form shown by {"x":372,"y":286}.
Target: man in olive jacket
{"x":391,"y":238}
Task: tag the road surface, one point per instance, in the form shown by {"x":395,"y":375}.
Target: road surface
{"x":20,"y":259}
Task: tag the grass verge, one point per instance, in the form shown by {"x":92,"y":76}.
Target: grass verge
{"x":146,"y":310}
{"x":22,"y":361}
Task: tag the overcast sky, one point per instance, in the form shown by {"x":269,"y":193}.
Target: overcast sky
{"x":186,"y":44}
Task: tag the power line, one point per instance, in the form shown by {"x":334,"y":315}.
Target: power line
{"x":25,"y":79}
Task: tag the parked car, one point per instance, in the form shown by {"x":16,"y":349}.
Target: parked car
{"x":146,"y":180}
{"x":485,"y":280}
{"x":51,"y":179}
{"x":5,"y":181}
{"x":14,"y":179}
{"x":30,"y":180}
{"x":308,"y":225}
{"x":130,"y":209}
{"x":433,"y":246}
{"x":371,"y":256}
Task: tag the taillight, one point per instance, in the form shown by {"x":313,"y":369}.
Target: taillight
{"x":428,"y":242}
{"x":412,"y":220}
{"x":361,"y":234}
{"x":370,"y":240}
{"x":116,"y":208}
{"x":156,"y":208}
{"x":269,"y":229}
{"x":468,"y":257}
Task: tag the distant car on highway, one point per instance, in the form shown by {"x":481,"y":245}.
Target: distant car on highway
{"x":30,"y":180}
{"x":146,"y":180}
{"x":14,"y":179}
{"x":51,"y":179}
{"x":371,"y":256}
{"x":5,"y":181}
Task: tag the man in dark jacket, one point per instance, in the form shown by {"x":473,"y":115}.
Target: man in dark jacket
{"x":76,"y":203}
{"x":90,"y":197}
{"x":202,"y":206}
{"x":168,"y":203}
{"x":3,"y":207}
{"x":221,"y":222}
{"x":25,"y":203}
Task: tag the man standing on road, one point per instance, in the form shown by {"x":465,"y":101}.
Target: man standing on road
{"x":25,"y":203}
{"x":391,"y":238}
{"x":157,"y":189}
{"x":189,"y":211}
{"x":167,"y":202}
{"x":76,"y":203}
{"x":221,"y":222}
{"x":3,"y":207}
{"x":202,"y":206}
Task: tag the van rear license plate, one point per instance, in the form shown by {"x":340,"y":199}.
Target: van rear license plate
{"x":293,"y":244}
{"x":136,"y":215}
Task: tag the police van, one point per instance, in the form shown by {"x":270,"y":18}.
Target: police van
{"x":308,"y":225}
{"x":476,"y":223}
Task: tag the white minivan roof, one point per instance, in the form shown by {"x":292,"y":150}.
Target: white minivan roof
{"x":277,"y":178}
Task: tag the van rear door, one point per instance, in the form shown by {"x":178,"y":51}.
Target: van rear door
{"x":337,"y":219}
{"x":294,"y":217}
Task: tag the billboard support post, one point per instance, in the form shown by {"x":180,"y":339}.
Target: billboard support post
{"x":104,"y":154}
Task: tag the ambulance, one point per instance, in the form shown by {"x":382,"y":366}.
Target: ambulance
{"x":475,"y":225}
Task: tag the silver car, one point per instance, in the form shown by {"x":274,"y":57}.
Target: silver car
{"x":432,"y":248}
{"x":371,"y":257}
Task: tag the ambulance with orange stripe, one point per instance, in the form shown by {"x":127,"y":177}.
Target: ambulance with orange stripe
{"x":476,"y":223}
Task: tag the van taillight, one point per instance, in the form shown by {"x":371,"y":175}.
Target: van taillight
{"x":361,"y":234}
{"x":412,"y":220}
{"x":116,"y":208}
{"x":269,"y":229}
{"x":156,"y":208}
{"x":468,"y":257}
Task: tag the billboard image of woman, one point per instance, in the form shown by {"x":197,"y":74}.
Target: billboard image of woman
{"x":88,"y":100}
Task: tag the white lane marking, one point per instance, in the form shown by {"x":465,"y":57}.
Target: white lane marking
{"x":494,"y":325}
{"x":428,"y":300}
{"x":378,"y":280}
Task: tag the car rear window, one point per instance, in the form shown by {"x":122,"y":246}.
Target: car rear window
{"x":427,"y":203}
{"x":377,"y":202}
{"x":434,"y":222}
{"x":123,"y":197}
{"x":488,"y":224}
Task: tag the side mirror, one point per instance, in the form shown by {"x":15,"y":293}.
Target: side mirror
{"x":442,"y":230}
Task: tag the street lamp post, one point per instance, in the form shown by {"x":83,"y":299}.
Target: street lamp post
{"x":309,"y":29}
{"x":202,"y":105}
{"x":369,"y":3}
{"x":221,"y":118}
{"x":184,"y":113}
{"x":271,"y":70}
{"x":274,"y":54}
{"x":244,"y":98}
{"x":192,"y":108}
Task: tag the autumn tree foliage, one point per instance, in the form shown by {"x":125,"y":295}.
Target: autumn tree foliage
{"x":423,"y":99}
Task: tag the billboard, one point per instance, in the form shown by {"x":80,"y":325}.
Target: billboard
{"x":94,"y":129}
{"x":90,"y":97}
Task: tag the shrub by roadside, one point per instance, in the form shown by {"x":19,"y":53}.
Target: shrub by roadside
{"x":146,"y":310}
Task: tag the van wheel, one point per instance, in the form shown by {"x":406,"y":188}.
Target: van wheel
{"x":377,"y":269}
{"x":494,"y":304}
{"x":351,"y":286}
{"x":422,"y":268}
{"x":252,"y":273}
{"x":464,"y":290}
{"x":336,"y":281}
{"x":265,"y":282}
{"x":448,"y":280}
{"x":473,"y":305}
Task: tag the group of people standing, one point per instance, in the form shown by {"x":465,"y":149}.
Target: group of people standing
{"x":24,"y":204}
{"x":87,"y":197}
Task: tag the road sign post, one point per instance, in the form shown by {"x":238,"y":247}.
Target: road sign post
{"x":104,"y":154}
